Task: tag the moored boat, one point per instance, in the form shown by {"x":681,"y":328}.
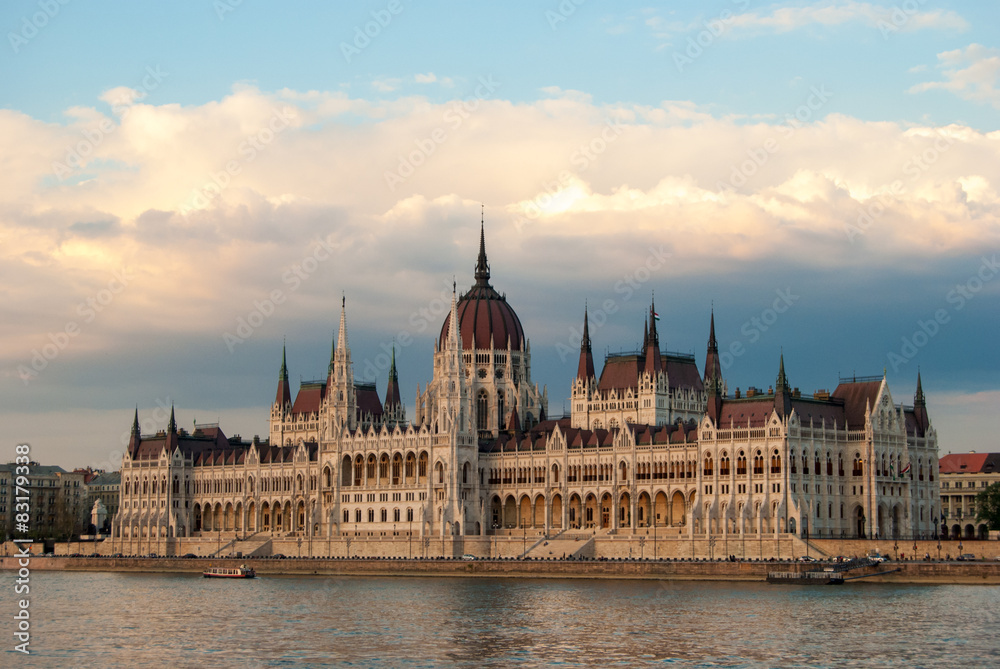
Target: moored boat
{"x":242,"y":571}
{"x":805,"y":577}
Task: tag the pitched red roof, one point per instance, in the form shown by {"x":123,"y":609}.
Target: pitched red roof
{"x":737,"y":412}
{"x":309,"y":398}
{"x":969,"y":463}
{"x":857,"y":396}
{"x":368,"y":401}
{"x":620,"y":372}
{"x":682,"y":372}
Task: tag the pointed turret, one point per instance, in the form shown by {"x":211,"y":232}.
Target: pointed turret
{"x":342,"y":336}
{"x":172,"y":425}
{"x":136,"y":437}
{"x":585,"y":370}
{"x":284,"y":395}
{"x":920,"y":408}
{"x":482,"y":266}
{"x":782,"y":393}
{"x":514,"y":422}
{"x":392,"y":389}
{"x":654,"y":364}
{"x":713,"y":370}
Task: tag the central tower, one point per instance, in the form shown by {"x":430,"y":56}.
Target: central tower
{"x":496,"y":357}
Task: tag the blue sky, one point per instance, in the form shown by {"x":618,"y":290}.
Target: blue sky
{"x":842,"y":152}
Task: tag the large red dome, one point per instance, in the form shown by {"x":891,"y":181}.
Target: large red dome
{"x":483,"y":313}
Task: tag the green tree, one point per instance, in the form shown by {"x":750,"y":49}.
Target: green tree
{"x":988,"y":506}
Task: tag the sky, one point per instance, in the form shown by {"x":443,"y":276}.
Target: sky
{"x":187,"y":185}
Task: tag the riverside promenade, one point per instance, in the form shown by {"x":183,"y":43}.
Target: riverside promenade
{"x":981,"y":573}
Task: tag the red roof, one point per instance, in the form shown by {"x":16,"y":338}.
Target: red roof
{"x":738,"y":412}
{"x":368,"y":401}
{"x":969,"y":463}
{"x":309,"y":398}
{"x":683,"y":373}
{"x":857,"y":396}
{"x":484,"y":315}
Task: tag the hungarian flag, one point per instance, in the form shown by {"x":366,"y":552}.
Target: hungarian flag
{"x":905,"y":469}
{"x":656,"y":316}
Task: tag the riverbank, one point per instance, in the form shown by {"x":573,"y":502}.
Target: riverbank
{"x":983,"y":573}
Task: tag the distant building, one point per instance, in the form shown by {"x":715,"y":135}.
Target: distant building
{"x":963,"y":476}
{"x":650,"y":442}
{"x":105,"y":486}
{"x":57,"y":502}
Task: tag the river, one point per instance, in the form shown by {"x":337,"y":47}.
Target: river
{"x":97,"y":619}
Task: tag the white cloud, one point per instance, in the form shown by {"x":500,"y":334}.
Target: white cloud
{"x":779,"y":19}
{"x":972,"y":73}
{"x":559,"y":170}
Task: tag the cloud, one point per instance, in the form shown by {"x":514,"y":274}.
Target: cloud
{"x":431,"y":78}
{"x":972,"y":73}
{"x":777,"y":19}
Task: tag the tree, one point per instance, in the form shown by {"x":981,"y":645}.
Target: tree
{"x":988,"y":506}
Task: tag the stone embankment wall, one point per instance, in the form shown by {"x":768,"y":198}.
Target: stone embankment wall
{"x":904,"y":572}
{"x":655,"y":546}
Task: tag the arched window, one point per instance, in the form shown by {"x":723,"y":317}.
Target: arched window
{"x":741,"y":464}
{"x":758,"y":463}
{"x":483,"y":411}
{"x":775,"y":462}
{"x":708,"y":465}
{"x":500,"y":408}
{"x":724,"y":464}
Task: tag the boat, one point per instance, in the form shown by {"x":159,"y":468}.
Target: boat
{"x":242,"y":571}
{"x":805,"y":577}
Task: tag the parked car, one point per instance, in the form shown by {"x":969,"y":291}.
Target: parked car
{"x":967,"y":557}
{"x":468,"y":556}
{"x":189,"y":555}
{"x":808,"y":558}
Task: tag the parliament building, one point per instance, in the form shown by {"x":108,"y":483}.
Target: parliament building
{"x":651,"y":441}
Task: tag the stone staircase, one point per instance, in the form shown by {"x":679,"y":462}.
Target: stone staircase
{"x":564,"y":544}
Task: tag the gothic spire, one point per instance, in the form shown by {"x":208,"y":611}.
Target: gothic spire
{"x":782,"y":384}
{"x":392,"y":390}
{"x":342,"y":337}
{"x":713,"y":370}
{"x":172,"y":425}
{"x":135,"y":422}
{"x":585,"y":370}
{"x":482,"y":266}
{"x":918,"y":397}
{"x":782,"y":393}
{"x":284,"y":394}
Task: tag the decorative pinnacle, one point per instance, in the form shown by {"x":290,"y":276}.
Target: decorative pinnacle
{"x":482,"y":266}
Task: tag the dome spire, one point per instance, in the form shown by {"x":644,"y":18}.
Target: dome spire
{"x":482,"y":267}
